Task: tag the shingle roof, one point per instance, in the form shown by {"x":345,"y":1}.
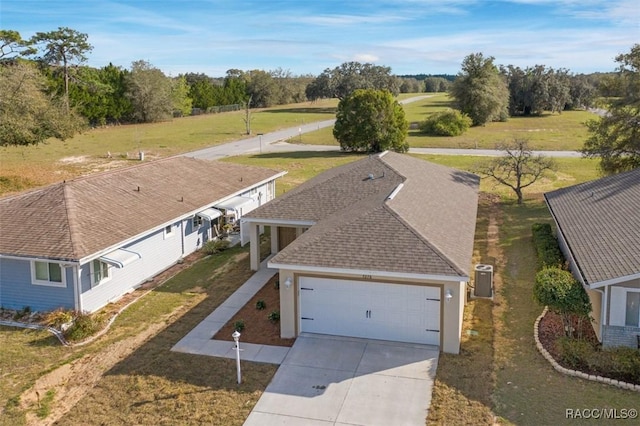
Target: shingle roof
{"x":427,"y":228}
{"x":74,"y":219}
{"x":600,"y":221}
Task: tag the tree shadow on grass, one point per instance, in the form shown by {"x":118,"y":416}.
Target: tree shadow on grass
{"x":301,"y":155}
{"x":325,"y":110}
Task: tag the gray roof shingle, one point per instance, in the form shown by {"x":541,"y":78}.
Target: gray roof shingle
{"x":600,"y":221}
{"x":75,"y":219}
{"x":427,"y":228}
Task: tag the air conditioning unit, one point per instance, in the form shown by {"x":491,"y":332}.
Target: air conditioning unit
{"x":483,"y":285}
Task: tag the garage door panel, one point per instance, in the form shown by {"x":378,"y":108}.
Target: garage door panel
{"x":374,"y":310}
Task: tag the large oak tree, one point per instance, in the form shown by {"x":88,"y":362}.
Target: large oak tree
{"x":480,"y":91}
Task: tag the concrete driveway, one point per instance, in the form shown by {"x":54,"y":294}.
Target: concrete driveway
{"x":329,"y":380}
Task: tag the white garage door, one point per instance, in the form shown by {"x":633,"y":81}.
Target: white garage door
{"x":373,"y":310}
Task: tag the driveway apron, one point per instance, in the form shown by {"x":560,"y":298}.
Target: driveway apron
{"x":330,"y":380}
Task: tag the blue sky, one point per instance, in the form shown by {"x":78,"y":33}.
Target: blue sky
{"x":307,"y":36}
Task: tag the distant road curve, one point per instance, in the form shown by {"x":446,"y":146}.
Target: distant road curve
{"x":275,"y":142}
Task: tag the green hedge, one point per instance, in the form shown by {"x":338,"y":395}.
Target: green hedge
{"x":546,"y":245}
{"x":619,"y":363}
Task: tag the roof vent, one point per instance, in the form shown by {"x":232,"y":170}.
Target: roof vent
{"x":371,"y":176}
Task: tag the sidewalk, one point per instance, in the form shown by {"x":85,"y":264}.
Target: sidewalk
{"x":199,"y":340}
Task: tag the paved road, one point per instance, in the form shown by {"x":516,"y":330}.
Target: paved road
{"x":275,"y":142}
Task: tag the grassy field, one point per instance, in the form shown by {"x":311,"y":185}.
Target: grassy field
{"x":22,"y":168}
{"x":553,"y":132}
{"x":25,"y":167}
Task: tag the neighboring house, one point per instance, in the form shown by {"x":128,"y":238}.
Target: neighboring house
{"x":379,"y":248}
{"x":598,"y":227}
{"x":83,"y":243}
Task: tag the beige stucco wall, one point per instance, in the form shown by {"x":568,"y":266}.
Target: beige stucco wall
{"x":451,"y":313}
{"x":596,"y":311}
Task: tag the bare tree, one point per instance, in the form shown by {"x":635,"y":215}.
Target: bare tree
{"x":517,"y":168}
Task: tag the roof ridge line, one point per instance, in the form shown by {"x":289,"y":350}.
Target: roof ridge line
{"x":70,"y":217}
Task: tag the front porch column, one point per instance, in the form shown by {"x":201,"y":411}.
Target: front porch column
{"x":254,"y":246}
{"x":274,"y":239}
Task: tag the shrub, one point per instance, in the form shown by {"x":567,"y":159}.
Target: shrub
{"x":260,"y":305}
{"x":238,"y":326}
{"x":24,"y":312}
{"x":574,"y":352}
{"x":84,"y":326}
{"x":215,"y":246}
{"x":619,"y":363}
{"x":446,"y":123}
{"x":274,"y":316}
{"x":546,"y":245}
{"x":58,"y":318}
{"x":557,"y":289}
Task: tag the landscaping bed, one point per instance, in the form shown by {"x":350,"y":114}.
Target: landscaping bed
{"x":586,"y":354}
{"x":258,"y":327}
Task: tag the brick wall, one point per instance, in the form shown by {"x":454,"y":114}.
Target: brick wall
{"x":620,"y":336}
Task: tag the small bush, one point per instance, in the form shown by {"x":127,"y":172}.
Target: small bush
{"x":24,"y":312}
{"x":446,"y":123}
{"x":546,"y":245}
{"x":274,"y":316}
{"x":84,"y":326}
{"x":619,"y":363}
{"x":58,"y":318}
{"x":260,"y":305}
{"x":575,"y":353}
{"x":238,"y":326}
{"x":215,"y":246}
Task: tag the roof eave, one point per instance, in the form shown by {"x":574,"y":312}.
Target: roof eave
{"x":614,"y":281}
{"x":369,"y":272}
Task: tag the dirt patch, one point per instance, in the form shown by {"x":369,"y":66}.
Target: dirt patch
{"x":258,"y":328}
{"x":72,"y":381}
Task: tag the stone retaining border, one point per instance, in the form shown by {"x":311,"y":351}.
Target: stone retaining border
{"x":574,"y":373}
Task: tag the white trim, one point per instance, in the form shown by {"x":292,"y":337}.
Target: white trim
{"x":617,"y":280}
{"x":277,"y":222}
{"x":92,"y":271}
{"x":368,"y":273}
{"x":64,"y":263}
{"x":47,"y":283}
{"x":169,"y":234}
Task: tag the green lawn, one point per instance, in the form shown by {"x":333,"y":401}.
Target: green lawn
{"x":553,"y":132}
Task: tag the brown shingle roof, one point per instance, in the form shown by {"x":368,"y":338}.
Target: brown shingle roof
{"x":75,"y":219}
{"x":427,"y":228}
{"x":600,"y":221}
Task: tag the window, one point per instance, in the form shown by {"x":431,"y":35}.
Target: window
{"x":100,"y":272}
{"x":197,"y":221}
{"x":168,"y":231}
{"x":632,"y":317}
{"x":47,"y":273}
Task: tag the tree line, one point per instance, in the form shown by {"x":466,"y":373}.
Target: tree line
{"x":47,"y":90}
